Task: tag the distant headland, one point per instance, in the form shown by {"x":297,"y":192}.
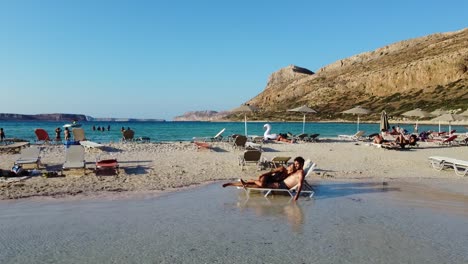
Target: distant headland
{"x":69,"y":117}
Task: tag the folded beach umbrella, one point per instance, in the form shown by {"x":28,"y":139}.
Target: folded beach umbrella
{"x":305,"y":110}
{"x":245,"y":108}
{"x":384,"y":121}
{"x":358,"y":110}
{"x":417,"y":113}
{"x":449,"y":118}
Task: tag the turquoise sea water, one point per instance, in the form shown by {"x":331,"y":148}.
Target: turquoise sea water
{"x":346,"y":222}
{"x":185,"y":131}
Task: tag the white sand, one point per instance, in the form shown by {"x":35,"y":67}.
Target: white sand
{"x":166,"y":166}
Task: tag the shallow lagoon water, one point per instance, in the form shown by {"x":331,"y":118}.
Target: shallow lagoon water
{"x":346,"y":222}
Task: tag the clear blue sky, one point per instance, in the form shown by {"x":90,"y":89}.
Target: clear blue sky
{"x":159,"y":59}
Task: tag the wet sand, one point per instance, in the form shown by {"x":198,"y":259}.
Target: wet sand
{"x":352,"y":221}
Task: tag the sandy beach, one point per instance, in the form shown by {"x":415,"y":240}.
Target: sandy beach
{"x":154,"y":167}
{"x":167,"y":205}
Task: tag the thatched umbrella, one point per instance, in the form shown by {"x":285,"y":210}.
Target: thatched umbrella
{"x":449,"y":118}
{"x":439,"y":112}
{"x":464,"y":113}
{"x":358,"y":110}
{"x":245,"y":108}
{"x":416,"y":113}
{"x":305,"y":110}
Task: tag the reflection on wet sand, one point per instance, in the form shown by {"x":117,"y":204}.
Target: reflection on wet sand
{"x":333,"y":190}
{"x":422,"y":195}
{"x":280,"y":206}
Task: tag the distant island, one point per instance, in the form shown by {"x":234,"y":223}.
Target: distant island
{"x":70,"y":117}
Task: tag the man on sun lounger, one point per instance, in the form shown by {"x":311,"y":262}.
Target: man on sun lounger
{"x":295,"y":176}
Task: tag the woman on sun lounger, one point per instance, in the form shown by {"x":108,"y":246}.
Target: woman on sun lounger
{"x":294,"y":179}
{"x":400,"y":141}
{"x":275,"y":175}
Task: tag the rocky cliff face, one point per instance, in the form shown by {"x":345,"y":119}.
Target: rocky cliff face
{"x":428,"y":72}
{"x":201,"y":116}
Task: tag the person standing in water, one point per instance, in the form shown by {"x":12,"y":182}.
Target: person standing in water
{"x":67,"y":134}
{"x":2,"y":135}
{"x":58,"y":130}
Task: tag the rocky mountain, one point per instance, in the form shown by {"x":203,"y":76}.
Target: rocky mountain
{"x":206,"y":115}
{"x":42,"y":117}
{"x":67,"y":118}
{"x":429,"y":72}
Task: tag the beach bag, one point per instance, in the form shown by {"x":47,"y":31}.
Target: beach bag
{"x":17,"y":170}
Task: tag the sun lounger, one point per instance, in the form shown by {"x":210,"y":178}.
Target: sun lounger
{"x":74,"y":158}
{"x":276,"y":161}
{"x":252,"y":145}
{"x":14,"y":147}
{"x":202,"y":145}
{"x":29,"y":156}
{"x":239,"y":142}
{"x":459,"y":166}
{"x":250,"y":156}
{"x":143,"y":140}
{"x":78,"y":134}
{"x":256,"y":139}
{"x":42,"y":136}
{"x":90,"y":144}
{"x":358,"y":136}
{"x":107,"y":166}
{"x":309,"y":168}
{"x":446,"y":141}
{"x":217,"y":138}
{"x":313,"y":138}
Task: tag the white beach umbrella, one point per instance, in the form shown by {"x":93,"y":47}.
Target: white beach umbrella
{"x":305,"y":110}
{"x":358,"y":110}
{"x":416,"y":113}
{"x":449,"y":118}
{"x":245,"y":109}
{"x":439,"y":112}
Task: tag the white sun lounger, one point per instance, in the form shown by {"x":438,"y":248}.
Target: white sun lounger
{"x":354,"y":137}
{"x":90,"y":144}
{"x":459,"y":166}
{"x":74,"y":158}
{"x":29,"y":156}
{"x":14,"y":147}
{"x":217,"y":138}
{"x":306,"y":188}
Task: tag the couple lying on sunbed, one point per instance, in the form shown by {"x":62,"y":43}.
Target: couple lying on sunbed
{"x":400,"y":140}
{"x":280,"y":178}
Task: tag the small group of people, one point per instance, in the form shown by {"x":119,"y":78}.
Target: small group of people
{"x":279,"y":178}
{"x":66,"y":134}
{"x":101,"y":128}
{"x":398,"y":130}
{"x":278,"y":137}
{"x":400,"y":139}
